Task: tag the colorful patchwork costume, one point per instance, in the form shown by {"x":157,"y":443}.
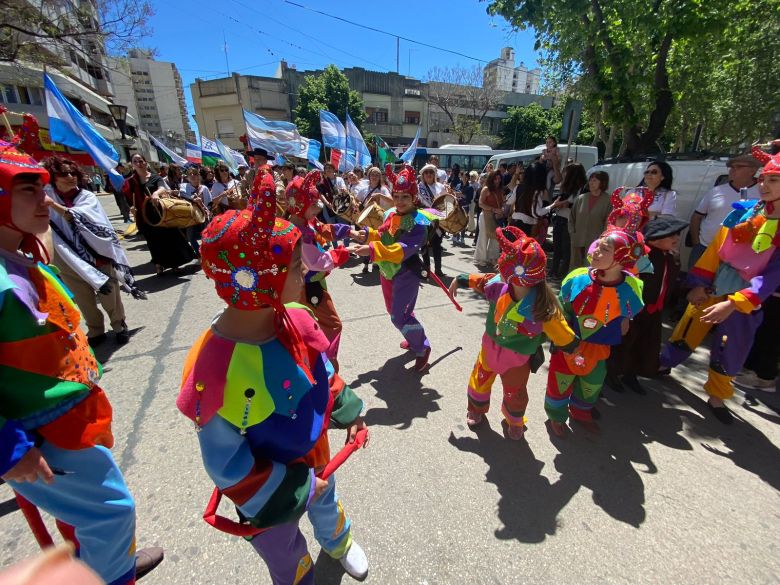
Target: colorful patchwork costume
{"x":395,"y":248}
{"x":742,"y":264}
{"x":50,"y":399}
{"x":512,"y":335}
{"x":595,"y":311}
{"x":263,"y":409}
{"x":301,"y":194}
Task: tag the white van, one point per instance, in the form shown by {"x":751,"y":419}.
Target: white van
{"x":585,"y":155}
{"x":691,"y":180}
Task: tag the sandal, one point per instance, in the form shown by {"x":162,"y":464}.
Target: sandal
{"x":159,"y":270}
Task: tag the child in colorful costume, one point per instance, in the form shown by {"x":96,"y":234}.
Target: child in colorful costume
{"x":395,"y":247}
{"x":303,"y":206}
{"x":522,"y":311}
{"x":261,"y":392}
{"x":738,"y":271}
{"x":55,"y":421}
{"x":597,"y":302}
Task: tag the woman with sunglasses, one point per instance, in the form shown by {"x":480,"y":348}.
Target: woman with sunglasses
{"x":226,"y":191}
{"x":168,"y":246}
{"x":658,"y":178}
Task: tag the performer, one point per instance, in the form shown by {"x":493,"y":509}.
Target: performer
{"x":395,"y":247}
{"x":738,"y":271}
{"x":598,"y":303}
{"x":523,"y":309}
{"x":261,"y":392}
{"x":636,"y":355}
{"x":55,"y":421}
{"x":303,"y":205}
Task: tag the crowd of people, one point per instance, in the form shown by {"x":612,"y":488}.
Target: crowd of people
{"x":262,"y":383}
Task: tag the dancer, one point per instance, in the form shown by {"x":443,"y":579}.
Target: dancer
{"x":395,"y":247}
{"x":261,"y":392}
{"x":598,"y":302}
{"x":303,"y":205}
{"x":523,"y":309}
{"x":735,"y":275}
{"x":55,"y":421}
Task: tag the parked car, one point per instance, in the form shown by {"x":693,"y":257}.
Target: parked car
{"x":587,"y":155}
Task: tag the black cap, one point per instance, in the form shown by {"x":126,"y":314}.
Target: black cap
{"x":663,"y":227}
{"x":259,"y":152}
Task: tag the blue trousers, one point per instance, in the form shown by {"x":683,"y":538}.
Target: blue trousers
{"x":284,"y":550}
{"x":92,"y":497}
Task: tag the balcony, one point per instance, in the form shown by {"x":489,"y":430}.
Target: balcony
{"x":383,"y":129}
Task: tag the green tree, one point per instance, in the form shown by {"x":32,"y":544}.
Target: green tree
{"x":623,"y":55}
{"x":326,"y":91}
{"x":524,"y":127}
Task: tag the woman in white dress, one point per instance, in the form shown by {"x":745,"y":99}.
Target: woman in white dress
{"x":491,"y":201}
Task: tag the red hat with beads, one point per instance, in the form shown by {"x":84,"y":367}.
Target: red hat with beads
{"x":631,"y":205}
{"x":302,"y":193}
{"x":522,"y":261}
{"x":628,"y":246}
{"x":403,"y":182}
{"x":771,"y":163}
{"x":247,"y":252}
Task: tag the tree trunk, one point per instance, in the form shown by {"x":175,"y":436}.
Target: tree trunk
{"x":609,"y":143}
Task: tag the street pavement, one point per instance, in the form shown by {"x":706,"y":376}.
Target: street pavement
{"x":664,"y":494}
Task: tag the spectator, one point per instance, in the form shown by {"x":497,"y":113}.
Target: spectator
{"x":588,"y":218}
{"x":199,"y":195}
{"x":658,"y":178}
{"x":715,"y":205}
{"x":119,"y":198}
{"x":441,"y":174}
{"x":574,"y":180}
{"x":491,"y":201}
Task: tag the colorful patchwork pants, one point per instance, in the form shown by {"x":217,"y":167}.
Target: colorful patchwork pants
{"x":91,"y":497}
{"x":513,"y":368}
{"x":731,"y":345}
{"x":400,"y":296}
{"x":284,"y":550}
{"x":571,"y":392}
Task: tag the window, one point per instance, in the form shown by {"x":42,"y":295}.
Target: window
{"x":9,"y":94}
{"x":380,"y":116}
{"x":225,"y":129}
{"x":412,"y":118}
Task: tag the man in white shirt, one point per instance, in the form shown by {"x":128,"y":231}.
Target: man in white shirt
{"x":441,"y":174}
{"x":715,"y":205}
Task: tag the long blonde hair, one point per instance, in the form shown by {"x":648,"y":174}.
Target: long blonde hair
{"x":546,"y":305}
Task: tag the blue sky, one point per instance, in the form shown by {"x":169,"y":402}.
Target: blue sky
{"x":259,"y":34}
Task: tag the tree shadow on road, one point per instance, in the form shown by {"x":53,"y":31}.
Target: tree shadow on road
{"x":402,"y":391}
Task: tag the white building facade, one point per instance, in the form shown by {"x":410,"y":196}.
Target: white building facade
{"x":502,"y":74}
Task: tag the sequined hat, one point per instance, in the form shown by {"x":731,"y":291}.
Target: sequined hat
{"x":247,"y":252}
{"x":302,"y":193}
{"x":628,"y":246}
{"x":630,"y":205}
{"x":14,"y":162}
{"x":403,"y":182}
{"x":771,"y":163}
{"x":522,"y":261}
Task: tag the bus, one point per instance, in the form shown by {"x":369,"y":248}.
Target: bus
{"x":469,"y":157}
{"x":586,"y":155}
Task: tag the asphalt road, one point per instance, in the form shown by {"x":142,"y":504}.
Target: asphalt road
{"x":664,"y":494}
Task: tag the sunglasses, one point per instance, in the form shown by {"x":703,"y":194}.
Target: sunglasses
{"x":652,"y":172}
{"x":67,"y":174}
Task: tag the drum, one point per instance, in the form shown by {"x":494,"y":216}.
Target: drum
{"x":345,"y":205}
{"x":372,"y":216}
{"x":169,"y":212}
{"x":455,"y":219}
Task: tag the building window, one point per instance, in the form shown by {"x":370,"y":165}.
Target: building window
{"x":225,"y":129}
{"x":9,"y":95}
{"x":412,"y":118}
{"x":380,"y":116}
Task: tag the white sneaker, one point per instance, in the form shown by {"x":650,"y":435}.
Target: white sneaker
{"x":751,"y":381}
{"x":355,"y":562}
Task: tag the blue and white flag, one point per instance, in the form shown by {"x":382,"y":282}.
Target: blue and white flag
{"x":313,"y":153}
{"x":69,"y":127}
{"x":238,"y":158}
{"x":277,"y":137}
{"x":194,"y":154}
{"x":333,"y":133}
{"x":408,"y":156}
{"x":175,"y":158}
{"x":225,"y":155}
{"x":356,"y":146}
{"x":209,"y":152}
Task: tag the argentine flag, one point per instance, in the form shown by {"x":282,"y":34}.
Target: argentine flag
{"x":69,"y":127}
{"x":408,"y":156}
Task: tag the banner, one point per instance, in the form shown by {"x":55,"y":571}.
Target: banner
{"x":68,"y":126}
{"x":333,"y":133}
{"x":193,"y":153}
{"x":209,"y":152}
{"x":356,"y":146}
{"x":174,"y":158}
{"x":278,"y":137}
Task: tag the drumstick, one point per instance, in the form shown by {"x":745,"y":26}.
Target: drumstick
{"x":438,"y":281}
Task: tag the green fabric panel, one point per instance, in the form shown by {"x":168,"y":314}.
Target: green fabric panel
{"x":23,"y":393}
{"x":517,"y":343}
{"x":288,"y":502}
{"x":246,"y":371}
{"x":346,"y":408}
{"x":563,"y":381}
{"x":17,"y":323}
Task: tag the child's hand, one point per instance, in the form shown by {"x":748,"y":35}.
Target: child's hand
{"x":357,"y":235}
{"x":320,"y":485}
{"x":718,"y":312}
{"x":697,"y":295}
{"x":360,"y":250}
{"x":352,"y":430}
{"x":454,"y":288}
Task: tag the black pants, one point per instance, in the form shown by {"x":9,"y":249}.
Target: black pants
{"x":561,"y":246}
{"x":123,"y":205}
{"x":435,"y":245}
{"x":766,"y":343}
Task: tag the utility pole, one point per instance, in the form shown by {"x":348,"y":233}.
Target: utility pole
{"x":227,"y":64}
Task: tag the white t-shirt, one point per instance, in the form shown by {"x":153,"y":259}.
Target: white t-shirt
{"x":218,"y":188}
{"x":365,"y":192}
{"x":427,"y":193}
{"x":715,"y":206}
{"x":664,"y":203}
{"x":186,"y":190}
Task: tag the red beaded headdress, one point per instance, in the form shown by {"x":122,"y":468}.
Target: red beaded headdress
{"x":302,"y":193}
{"x":404,"y":182}
{"x":628,"y":246}
{"x":631,"y":205}
{"x":522,"y":261}
{"x":771,"y":163}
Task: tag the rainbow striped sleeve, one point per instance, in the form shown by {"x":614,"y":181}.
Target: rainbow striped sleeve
{"x":703,"y":273}
{"x":267,"y":493}
{"x":761,"y":287}
{"x":406,"y":245}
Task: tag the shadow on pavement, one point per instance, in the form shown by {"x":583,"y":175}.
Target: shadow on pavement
{"x":328,"y":571}
{"x":401,"y":389}
{"x":370,"y":278}
{"x":105,"y":350}
{"x":168,"y":279}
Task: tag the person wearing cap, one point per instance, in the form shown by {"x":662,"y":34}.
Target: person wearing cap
{"x":523,"y":313}
{"x":716,"y":203}
{"x":395,"y":247}
{"x":598,"y":303}
{"x":303,"y":206}
{"x":731,"y":281}
{"x":262,"y":394}
{"x":638,"y":354}
{"x":55,"y":420}
{"x":260,"y":158}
